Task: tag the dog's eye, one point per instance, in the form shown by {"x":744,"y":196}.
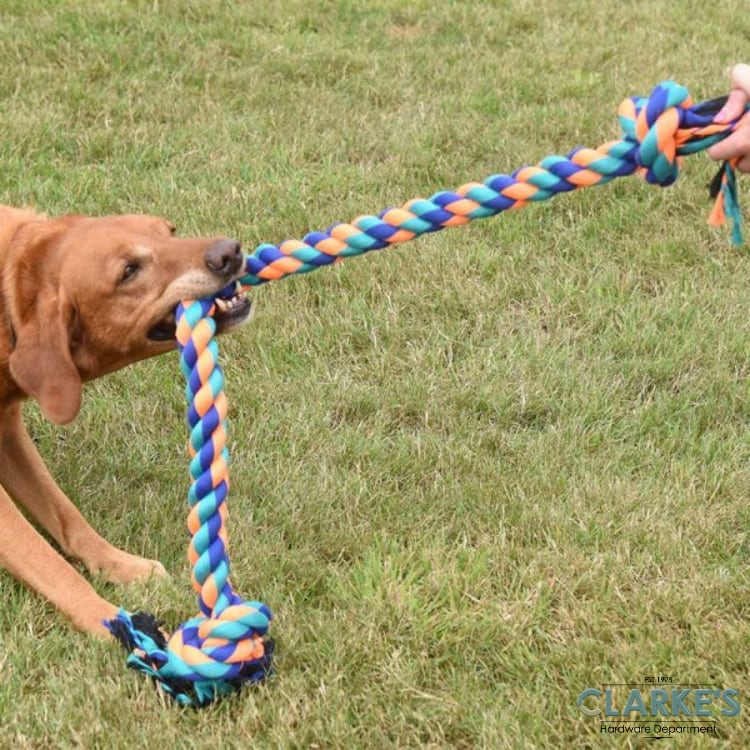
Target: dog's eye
{"x":130,"y":270}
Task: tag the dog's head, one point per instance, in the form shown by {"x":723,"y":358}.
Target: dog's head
{"x":86,"y":296}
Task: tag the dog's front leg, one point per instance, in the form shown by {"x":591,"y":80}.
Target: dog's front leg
{"x":26,"y":478}
{"x":27,"y":556}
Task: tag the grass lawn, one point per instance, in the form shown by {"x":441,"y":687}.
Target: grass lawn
{"x":472,"y":476}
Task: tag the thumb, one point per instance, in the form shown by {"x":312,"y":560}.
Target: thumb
{"x":741,"y":78}
{"x":738,"y":97}
{"x":734,"y":108}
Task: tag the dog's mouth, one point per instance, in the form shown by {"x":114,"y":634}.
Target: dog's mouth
{"x":232,"y":308}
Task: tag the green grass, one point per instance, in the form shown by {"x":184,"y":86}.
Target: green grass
{"x":472,"y":476}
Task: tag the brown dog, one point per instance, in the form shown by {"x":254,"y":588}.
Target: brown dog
{"x":81,"y":297}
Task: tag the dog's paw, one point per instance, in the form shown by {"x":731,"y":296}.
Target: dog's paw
{"x":122,"y":567}
{"x":90,"y":618}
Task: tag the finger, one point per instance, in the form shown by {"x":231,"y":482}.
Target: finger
{"x":738,"y":144}
{"x":739,"y":96}
{"x":741,"y":78}
{"x":734,"y":107}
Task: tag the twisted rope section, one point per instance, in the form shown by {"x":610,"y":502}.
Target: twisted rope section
{"x":222,"y":648}
{"x":657,"y":131}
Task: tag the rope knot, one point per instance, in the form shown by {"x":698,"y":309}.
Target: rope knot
{"x":654,"y":125}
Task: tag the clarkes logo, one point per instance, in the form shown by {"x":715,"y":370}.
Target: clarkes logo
{"x":659,"y":707}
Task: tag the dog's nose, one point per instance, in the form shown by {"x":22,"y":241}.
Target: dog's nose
{"x":224,"y":258}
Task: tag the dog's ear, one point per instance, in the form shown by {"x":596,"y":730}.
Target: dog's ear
{"x":41,"y":362}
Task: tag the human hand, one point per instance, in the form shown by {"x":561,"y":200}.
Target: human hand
{"x":736,"y":145}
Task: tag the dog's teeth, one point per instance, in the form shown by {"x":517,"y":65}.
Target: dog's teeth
{"x":230,"y":305}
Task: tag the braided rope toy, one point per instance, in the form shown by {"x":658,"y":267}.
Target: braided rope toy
{"x":226,"y":645}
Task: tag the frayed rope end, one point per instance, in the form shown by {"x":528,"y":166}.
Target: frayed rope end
{"x":723,"y":189}
{"x":148,"y":652}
